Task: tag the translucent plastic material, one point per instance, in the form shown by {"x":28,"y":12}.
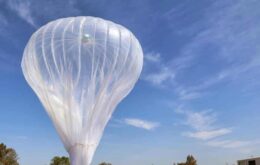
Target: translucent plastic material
{"x":81,"y":68}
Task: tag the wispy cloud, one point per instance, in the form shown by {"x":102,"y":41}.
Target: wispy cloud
{"x":206,"y":135}
{"x":203,"y":124}
{"x":221,"y":34}
{"x":160,"y":77}
{"x":199,"y":121}
{"x":23,"y":10}
{"x":205,"y":129}
{"x":225,"y":39}
{"x":156,"y":71}
{"x":243,"y":146}
{"x":229,"y":143}
{"x":143,"y":124}
{"x":188,"y":95}
{"x":153,"y":57}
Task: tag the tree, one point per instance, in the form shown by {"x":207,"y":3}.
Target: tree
{"x":189,"y":161}
{"x":65,"y":161}
{"x":104,"y":163}
{"x":60,"y":160}
{"x":8,"y":156}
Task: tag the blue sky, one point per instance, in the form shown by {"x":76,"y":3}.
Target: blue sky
{"x":198,"y":93}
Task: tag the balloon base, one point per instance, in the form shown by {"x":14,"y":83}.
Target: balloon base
{"x":81,"y":154}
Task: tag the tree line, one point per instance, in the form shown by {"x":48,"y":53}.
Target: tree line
{"x":63,"y":160}
{"x":8,"y":156}
{"x":189,"y":161}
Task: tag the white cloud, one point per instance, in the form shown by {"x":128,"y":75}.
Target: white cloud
{"x":153,"y":57}
{"x":160,"y":77}
{"x":203,"y":124}
{"x":147,"y":125}
{"x":225,"y":40}
{"x":23,"y":10}
{"x":190,"y":96}
{"x":229,"y":143}
{"x":235,"y":47}
{"x":232,"y":34}
{"x":204,"y":128}
{"x":206,"y":135}
{"x":200,"y":121}
{"x":156,"y":71}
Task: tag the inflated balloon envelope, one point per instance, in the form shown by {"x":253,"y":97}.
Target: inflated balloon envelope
{"x":81,"y":68}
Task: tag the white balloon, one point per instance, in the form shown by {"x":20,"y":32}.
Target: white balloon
{"x":81,"y":68}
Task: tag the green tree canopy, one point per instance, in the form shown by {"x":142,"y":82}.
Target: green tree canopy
{"x":8,"y":156}
{"x":189,"y":161}
{"x":60,"y":160}
{"x":65,"y":161}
